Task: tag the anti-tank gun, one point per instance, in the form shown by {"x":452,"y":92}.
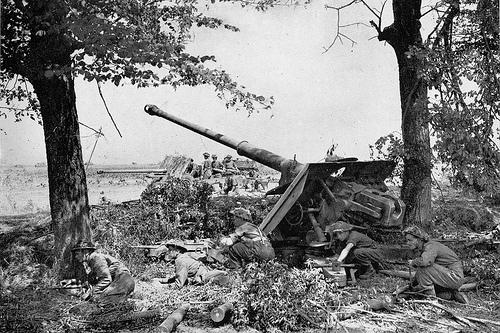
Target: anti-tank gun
{"x":315,"y":194}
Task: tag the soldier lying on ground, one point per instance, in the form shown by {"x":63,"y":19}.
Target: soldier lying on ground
{"x":439,"y":271}
{"x":247,"y":243}
{"x":110,"y":280}
{"x":188,"y":265}
{"x":357,"y":249}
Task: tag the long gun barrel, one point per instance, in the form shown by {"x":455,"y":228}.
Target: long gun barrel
{"x":288,"y":167}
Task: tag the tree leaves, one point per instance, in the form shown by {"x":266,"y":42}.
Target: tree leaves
{"x":140,"y":42}
{"x":465,"y":115}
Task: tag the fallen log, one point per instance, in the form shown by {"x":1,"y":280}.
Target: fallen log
{"x":174,"y":319}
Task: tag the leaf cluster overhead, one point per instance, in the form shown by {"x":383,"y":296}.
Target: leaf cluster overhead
{"x":142,"y":42}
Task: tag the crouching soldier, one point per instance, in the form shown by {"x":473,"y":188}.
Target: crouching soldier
{"x":247,"y":243}
{"x":188,"y":265}
{"x":110,"y":280}
{"x":357,"y":249}
{"x":439,"y":271}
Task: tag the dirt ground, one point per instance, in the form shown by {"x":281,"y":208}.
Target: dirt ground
{"x":24,"y":193}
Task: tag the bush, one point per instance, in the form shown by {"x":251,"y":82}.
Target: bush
{"x":273,"y":295}
{"x":172,"y":209}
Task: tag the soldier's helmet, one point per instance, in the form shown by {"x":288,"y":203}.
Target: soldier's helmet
{"x":242,"y":213}
{"x":83,"y":245}
{"x":176,"y":244}
{"x":214,"y":156}
{"x":416,"y":232}
{"x":229,"y":157}
{"x":339,"y":226}
{"x":206,"y":154}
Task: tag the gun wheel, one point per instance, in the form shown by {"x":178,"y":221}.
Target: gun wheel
{"x":295,"y":215}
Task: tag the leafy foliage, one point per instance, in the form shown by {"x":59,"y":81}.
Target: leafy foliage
{"x":390,"y":147}
{"x":484,"y":267}
{"x":140,"y":42}
{"x":462,"y":67}
{"x":275,"y":296}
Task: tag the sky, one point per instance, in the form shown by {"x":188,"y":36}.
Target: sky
{"x":348,"y":96}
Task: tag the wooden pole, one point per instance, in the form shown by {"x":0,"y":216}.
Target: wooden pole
{"x":174,"y":319}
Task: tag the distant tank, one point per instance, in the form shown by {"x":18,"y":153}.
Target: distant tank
{"x":171,"y":166}
{"x":315,"y":194}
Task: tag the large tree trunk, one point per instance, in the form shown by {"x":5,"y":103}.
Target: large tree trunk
{"x":404,"y":35}
{"x":69,"y":203}
{"x":48,"y":68}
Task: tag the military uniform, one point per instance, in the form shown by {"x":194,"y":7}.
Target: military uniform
{"x":230,"y":169}
{"x":217,"y":167}
{"x":187,"y":265}
{"x":439,"y":271}
{"x":249,"y":244}
{"x":365,"y":252}
{"x":206,"y":166}
{"x":229,"y":165}
{"x":357,"y":249}
{"x":438,"y":265}
{"x":111,"y":279}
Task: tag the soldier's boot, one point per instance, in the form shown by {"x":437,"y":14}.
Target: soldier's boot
{"x":369,"y":272}
{"x":168,"y":281}
{"x":459,"y":297}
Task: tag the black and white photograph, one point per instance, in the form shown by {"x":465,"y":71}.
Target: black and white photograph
{"x":249,"y":166}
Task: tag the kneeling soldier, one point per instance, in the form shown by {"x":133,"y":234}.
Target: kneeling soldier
{"x":109,"y":278}
{"x":358,"y":248}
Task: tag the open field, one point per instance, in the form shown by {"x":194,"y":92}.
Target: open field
{"x":24,"y":189}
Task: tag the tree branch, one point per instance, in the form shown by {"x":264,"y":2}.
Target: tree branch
{"x":371,"y":10}
{"x":340,"y":35}
{"x":106,"y":106}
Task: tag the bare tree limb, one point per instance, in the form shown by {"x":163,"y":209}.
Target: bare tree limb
{"x":339,"y":36}
{"x":106,"y":106}
{"x":379,"y":16}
